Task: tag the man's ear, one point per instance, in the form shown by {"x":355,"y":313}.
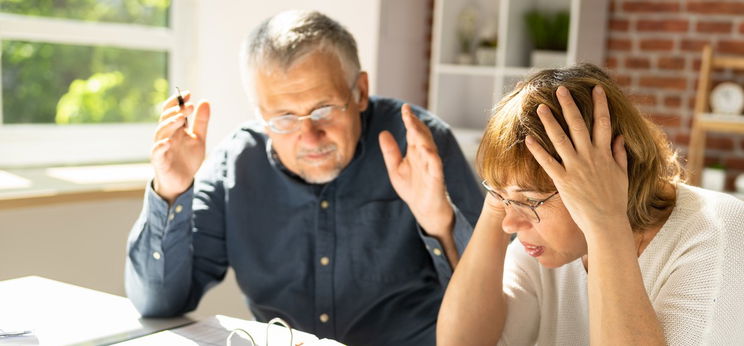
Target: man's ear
{"x":362,"y":87}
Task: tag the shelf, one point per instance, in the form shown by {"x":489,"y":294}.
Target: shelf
{"x":470,"y":70}
{"x":722,"y":122}
{"x":487,"y":71}
{"x":726,"y":118}
{"x":518,"y":71}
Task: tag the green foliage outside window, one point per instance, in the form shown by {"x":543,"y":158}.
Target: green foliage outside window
{"x":146,"y":12}
{"x":69,"y":84}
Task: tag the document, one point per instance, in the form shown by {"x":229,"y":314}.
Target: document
{"x":214,"y":331}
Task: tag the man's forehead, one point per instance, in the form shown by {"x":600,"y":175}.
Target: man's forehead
{"x":311,"y":72}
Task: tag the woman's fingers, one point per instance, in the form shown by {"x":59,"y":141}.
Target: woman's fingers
{"x":576,"y":125}
{"x":602,"y":124}
{"x":620,"y":154}
{"x":560,"y":140}
{"x":551,"y":166}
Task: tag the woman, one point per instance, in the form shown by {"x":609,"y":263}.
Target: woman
{"x":610,"y":248}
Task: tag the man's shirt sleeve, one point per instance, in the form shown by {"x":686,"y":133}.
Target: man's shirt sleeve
{"x":167,"y":267}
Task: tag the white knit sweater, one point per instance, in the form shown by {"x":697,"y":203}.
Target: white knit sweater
{"x":693,"y":271}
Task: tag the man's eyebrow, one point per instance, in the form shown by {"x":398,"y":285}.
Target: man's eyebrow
{"x":314,"y":107}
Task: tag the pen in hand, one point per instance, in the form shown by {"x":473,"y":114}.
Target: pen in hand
{"x":181,"y":105}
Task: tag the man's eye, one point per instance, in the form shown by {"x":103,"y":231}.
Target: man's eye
{"x":321,"y":112}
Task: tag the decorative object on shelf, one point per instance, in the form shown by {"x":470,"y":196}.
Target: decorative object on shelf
{"x":727,"y":98}
{"x":549,"y":35}
{"x":714,"y":177}
{"x":467,"y":25}
{"x":703,"y":122}
{"x":485,"y":52}
{"x":739,"y":183}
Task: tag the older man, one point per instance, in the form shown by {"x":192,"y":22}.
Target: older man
{"x":324,"y":221}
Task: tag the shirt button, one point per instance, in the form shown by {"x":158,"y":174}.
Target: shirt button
{"x":324,"y":204}
{"x":324,"y":261}
{"x":179,"y":208}
{"x":324,"y":318}
{"x":437,"y":251}
{"x":171,"y":217}
{"x":156,"y":255}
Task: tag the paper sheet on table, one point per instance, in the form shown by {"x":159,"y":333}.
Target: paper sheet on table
{"x":214,"y":330}
{"x":25,"y":339}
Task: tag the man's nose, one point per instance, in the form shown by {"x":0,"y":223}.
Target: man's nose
{"x":309,"y":131}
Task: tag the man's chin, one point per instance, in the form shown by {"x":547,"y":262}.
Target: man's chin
{"x":315,"y":176}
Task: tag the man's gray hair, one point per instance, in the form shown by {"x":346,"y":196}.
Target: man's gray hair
{"x":288,"y":36}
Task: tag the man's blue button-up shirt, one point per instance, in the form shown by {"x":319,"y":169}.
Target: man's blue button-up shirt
{"x":345,"y":260}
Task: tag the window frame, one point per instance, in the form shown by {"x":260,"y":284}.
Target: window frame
{"x":24,"y":145}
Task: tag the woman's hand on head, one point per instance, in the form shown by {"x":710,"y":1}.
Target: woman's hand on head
{"x":592,"y":180}
{"x":494,"y":207}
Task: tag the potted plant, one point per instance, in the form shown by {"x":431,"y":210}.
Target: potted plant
{"x":714,"y":177}
{"x":549,"y":36}
{"x":485,"y":52}
{"x":467,"y":24}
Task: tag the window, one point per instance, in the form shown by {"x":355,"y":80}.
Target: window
{"x":82,"y":80}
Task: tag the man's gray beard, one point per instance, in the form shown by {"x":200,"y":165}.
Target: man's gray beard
{"x":325,"y":177}
{"x":321,"y":179}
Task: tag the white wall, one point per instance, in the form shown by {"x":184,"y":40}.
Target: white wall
{"x":402,"y":58}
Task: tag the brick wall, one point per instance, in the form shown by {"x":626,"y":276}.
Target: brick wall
{"x":654,"y":49}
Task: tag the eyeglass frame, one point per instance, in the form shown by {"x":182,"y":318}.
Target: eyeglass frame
{"x":312,"y":116}
{"x":249,"y":337}
{"x":507,"y":202}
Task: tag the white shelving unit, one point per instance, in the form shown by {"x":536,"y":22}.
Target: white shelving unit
{"x":463,"y":95}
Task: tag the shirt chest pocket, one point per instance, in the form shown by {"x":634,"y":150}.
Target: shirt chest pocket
{"x":385,"y":244}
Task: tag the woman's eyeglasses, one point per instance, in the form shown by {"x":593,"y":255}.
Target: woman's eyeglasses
{"x":524,"y":209}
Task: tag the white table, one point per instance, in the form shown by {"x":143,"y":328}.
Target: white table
{"x":64,"y":314}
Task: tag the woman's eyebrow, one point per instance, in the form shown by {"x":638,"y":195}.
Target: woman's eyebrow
{"x":504,"y":192}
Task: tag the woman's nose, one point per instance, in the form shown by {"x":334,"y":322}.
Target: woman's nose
{"x":514,"y":221}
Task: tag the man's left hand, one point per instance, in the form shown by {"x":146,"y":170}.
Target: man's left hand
{"x":418,"y":178}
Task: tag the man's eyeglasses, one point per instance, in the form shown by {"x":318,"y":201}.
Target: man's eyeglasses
{"x":289,"y":123}
{"x":524,"y":209}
